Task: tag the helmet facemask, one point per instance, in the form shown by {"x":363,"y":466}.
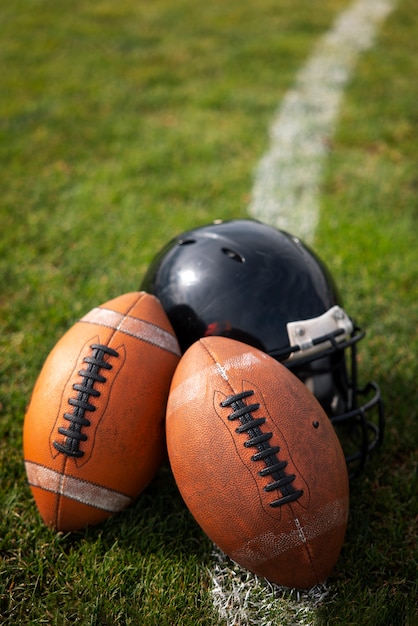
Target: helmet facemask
{"x":332,"y":378}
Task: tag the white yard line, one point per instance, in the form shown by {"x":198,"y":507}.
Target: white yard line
{"x":286,"y":194}
{"x":242,"y":599}
{"x":286,"y":190}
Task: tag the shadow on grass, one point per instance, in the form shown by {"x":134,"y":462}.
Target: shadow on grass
{"x":377,"y":582}
{"x":158,"y":522}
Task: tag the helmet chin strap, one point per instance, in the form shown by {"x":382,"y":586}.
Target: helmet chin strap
{"x":318,"y":337}
{"x":310,"y":336}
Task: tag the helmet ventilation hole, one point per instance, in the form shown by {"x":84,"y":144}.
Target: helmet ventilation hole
{"x":186,"y":242}
{"x":235,"y":256}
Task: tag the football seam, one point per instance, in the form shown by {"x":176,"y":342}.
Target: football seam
{"x":274,"y":467}
{"x":81,"y":405}
{"x":305,"y":540}
{"x":67,"y":459}
{"x":266,"y":452}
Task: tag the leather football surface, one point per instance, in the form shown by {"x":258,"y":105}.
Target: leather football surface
{"x":94,"y":432}
{"x":257,"y":462}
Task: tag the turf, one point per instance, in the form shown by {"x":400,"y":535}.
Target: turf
{"x":122,"y":124}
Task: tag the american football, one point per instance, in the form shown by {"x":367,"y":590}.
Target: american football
{"x":94,"y":429}
{"x":257,"y":462}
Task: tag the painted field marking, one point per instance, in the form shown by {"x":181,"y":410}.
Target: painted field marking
{"x":286,"y":191}
{"x":286,"y":194}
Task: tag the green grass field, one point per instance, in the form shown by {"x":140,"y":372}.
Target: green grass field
{"x":122,"y":124}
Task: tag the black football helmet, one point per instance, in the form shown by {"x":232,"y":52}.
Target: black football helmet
{"x":251,"y":282}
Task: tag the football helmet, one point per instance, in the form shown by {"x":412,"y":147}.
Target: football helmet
{"x":249,"y":281}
